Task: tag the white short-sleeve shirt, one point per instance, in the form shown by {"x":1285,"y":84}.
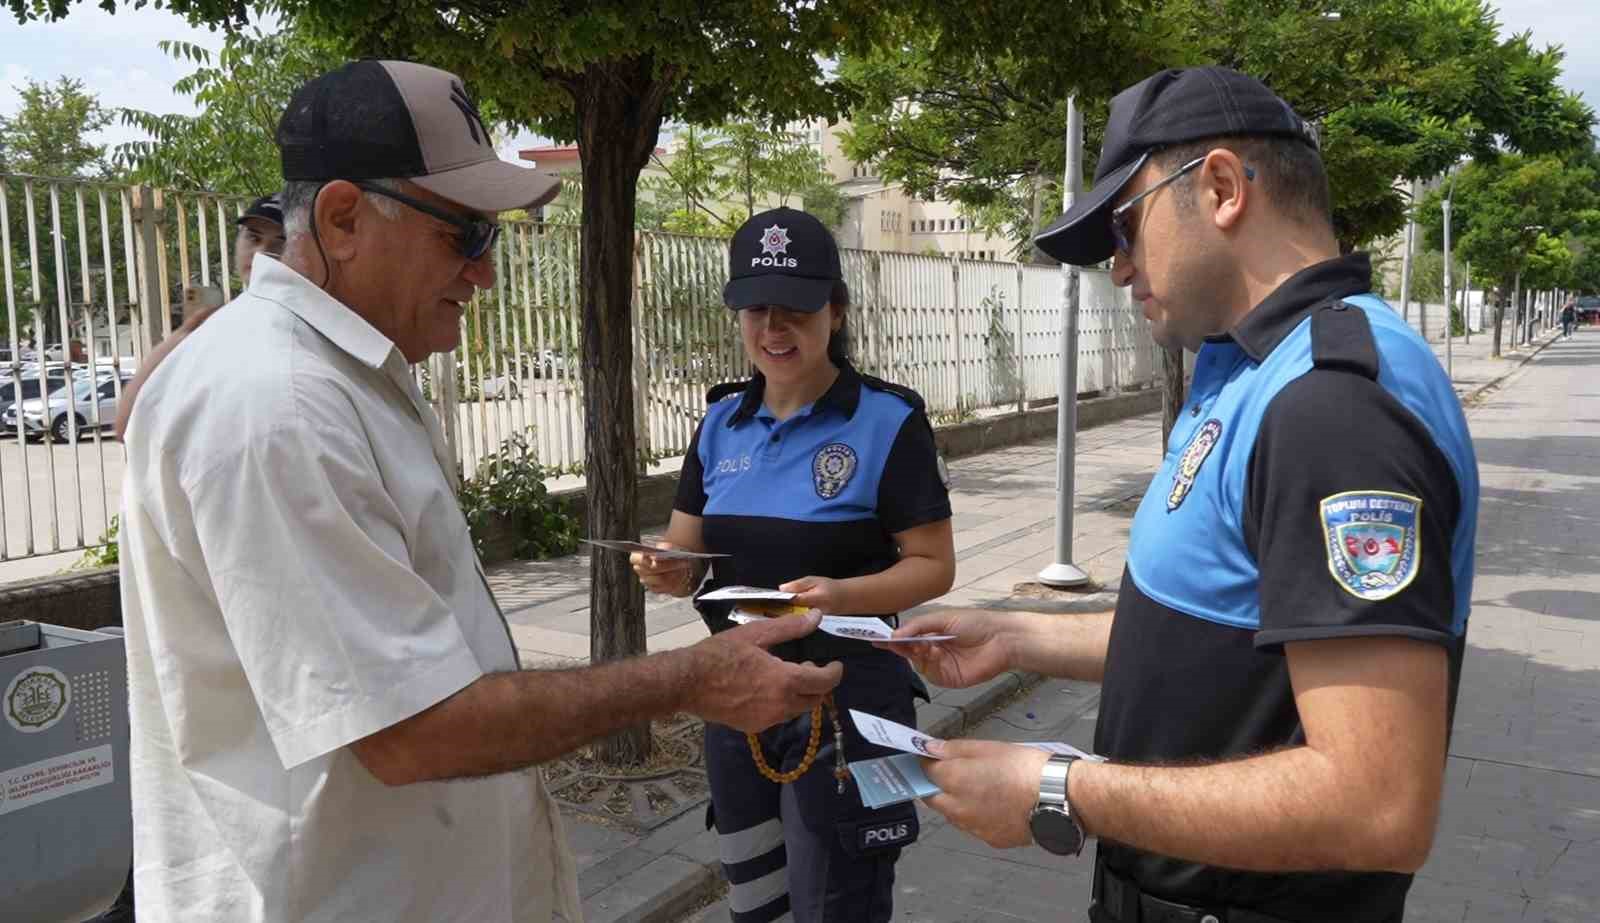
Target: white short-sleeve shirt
{"x":297,"y":575}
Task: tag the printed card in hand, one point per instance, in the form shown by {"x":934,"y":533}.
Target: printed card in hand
{"x":665,"y":554}
{"x":891,"y":734}
{"x":867,"y":628}
{"x":740,"y":594}
{"x":891,"y":780}
{"x":886,"y":733}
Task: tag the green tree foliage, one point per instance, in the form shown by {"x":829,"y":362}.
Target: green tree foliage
{"x":1512,"y":216}
{"x":240,"y":91}
{"x":740,"y":164}
{"x":1398,"y":88}
{"x":680,"y":200}
{"x":49,"y":134}
{"x":49,"y":137}
{"x":968,"y":103}
{"x":1586,"y":267}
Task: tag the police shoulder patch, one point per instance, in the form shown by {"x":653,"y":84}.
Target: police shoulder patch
{"x":832,"y":468}
{"x":1372,"y":540}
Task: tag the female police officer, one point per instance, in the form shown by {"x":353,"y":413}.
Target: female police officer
{"x":824,"y":482}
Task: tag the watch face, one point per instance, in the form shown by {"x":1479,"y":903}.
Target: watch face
{"x":1055,"y":831}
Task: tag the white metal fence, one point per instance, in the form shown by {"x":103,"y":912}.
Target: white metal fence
{"x":83,"y":260}
{"x":968,"y":335}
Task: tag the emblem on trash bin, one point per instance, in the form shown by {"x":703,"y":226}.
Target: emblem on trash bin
{"x":36,"y":699}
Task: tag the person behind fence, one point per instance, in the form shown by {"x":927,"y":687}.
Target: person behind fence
{"x":1280,"y":673}
{"x":328,"y":717}
{"x":260,"y":232}
{"x":821,"y":481}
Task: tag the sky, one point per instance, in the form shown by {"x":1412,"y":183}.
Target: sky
{"x":117,"y":58}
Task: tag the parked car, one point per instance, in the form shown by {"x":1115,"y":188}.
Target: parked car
{"x":25,"y":389}
{"x":549,"y":364}
{"x":1588,"y":308}
{"x":500,"y":386}
{"x":93,"y":404}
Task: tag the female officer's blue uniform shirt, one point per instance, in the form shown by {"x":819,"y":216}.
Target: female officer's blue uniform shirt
{"x":821,"y":493}
{"x":1321,"y":483}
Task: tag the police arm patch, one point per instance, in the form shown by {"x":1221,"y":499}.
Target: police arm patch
{"x":1373,"y":541}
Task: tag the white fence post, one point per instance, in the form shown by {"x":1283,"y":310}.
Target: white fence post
{"x":955,"y":328}
{"x":641,"y":368}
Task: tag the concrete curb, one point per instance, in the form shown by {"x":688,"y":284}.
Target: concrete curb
{"x":1498,"y":380}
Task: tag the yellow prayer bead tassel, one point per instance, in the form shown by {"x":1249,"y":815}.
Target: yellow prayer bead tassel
{"x":815,"y":743}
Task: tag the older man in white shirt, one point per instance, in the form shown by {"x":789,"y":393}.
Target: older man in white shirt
{"x":313,"y":649}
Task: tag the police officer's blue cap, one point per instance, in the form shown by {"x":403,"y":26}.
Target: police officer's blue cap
{"x":1173,"y":107}
{"x":782,"y":257}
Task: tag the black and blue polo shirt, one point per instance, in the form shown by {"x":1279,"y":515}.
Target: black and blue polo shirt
{"x":821,"y":493}
{"x":1321,"y":483}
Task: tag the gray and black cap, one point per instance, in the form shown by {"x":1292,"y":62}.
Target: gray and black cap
{"x":397,"y":119}
{"x":1172,"y":107}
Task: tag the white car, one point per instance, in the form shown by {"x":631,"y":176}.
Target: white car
{"x":92,"y":405}
{"x":499,"y":387}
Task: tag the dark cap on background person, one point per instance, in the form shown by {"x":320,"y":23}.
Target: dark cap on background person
{"x":267,"y":208}
{"x":1172,"y":107}
{"x":782,"y":257}
{"x":372,"y":120}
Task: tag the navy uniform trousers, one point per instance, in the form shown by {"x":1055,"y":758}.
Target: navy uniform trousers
{"x":804,"y":851}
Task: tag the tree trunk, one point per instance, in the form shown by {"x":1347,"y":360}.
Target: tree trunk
{"x":619,"y":107}
{"x":1172,"y":382}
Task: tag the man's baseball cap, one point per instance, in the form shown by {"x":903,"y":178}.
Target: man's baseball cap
{"x":782,"y":257}
{"x":396,"y":119}
{"x":267,"y":208}
{"x":1175,"y":106}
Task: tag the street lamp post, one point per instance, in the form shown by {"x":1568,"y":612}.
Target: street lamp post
{"x":1449,"y":338}
{"x":1405,"y":259}
{"x":1063,"y":573}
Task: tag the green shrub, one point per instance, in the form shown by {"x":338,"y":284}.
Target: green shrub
{"x":508,"y":491}
{"x":102,"y":555}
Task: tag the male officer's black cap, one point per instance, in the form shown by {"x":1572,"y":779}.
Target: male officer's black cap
{"x":782,"y":257}
{"x":1175,"y":106}
{"x":267,"y":208}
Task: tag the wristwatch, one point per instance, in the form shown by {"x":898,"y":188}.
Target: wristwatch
{"x":1052,"y":823}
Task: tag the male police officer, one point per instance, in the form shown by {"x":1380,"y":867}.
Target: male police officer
{"x":1280,"y":672}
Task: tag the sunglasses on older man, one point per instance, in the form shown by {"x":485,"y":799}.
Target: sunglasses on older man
{"x":477,"y":235}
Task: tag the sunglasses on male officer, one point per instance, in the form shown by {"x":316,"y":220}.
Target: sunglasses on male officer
{"x":477,"y":235}
{"x":1122,"y":223}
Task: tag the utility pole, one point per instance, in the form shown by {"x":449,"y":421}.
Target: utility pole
{"x":1449,"y":339}
{"x":1405,"y":259}
{"x":1063,"y":573}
